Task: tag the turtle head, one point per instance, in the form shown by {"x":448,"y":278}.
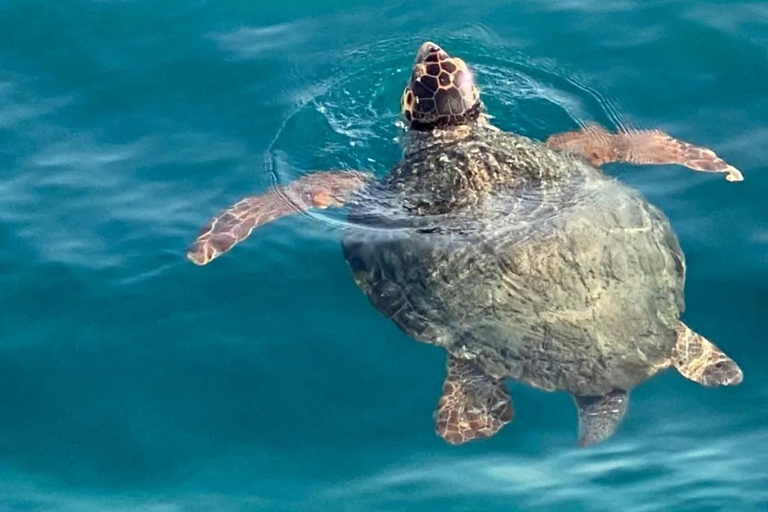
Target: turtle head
{"x":441,"y":91}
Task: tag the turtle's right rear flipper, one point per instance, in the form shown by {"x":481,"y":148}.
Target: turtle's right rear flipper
{"x":233,"y":225}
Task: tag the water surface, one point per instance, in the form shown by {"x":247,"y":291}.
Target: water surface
{"x":132,"y":380}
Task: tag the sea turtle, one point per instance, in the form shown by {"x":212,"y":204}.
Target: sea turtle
{"x":520,"y":258}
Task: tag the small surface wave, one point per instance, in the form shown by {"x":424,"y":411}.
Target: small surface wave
{"x":354,"y":115}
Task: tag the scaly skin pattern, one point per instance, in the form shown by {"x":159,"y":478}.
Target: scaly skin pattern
{"x":441,"y":91}
{"x":473,"y":405}
{"x":641,"y":147}
{"x":236,"y":223}
{"x":525,"y":259}
{"x":696,"y":358}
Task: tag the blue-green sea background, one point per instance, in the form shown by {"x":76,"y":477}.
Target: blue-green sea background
{"x":132,"y":380}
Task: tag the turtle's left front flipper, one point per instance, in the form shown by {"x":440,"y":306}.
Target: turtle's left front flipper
{"x":233,"y":225}
{"x":641,"y":147}
{"x":473,"y":405}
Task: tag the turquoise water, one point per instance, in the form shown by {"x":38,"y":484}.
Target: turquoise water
{"x":132,"y":380}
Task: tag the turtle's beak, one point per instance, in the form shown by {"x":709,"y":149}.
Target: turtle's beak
{"x":430,"y":52}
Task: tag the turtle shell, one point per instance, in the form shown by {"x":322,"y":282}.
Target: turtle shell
{"x":527,"y":260}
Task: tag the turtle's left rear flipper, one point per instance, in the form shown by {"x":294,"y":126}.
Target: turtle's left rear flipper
{"x":233,"y":225}
{"x":600,"y":416}
{"x":641,"y":147}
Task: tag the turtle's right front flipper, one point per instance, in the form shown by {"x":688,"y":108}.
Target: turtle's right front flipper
{"x":473,"y":404}
{"x":698,"y":359}
{"x":600,"y":147}
{"x":233,"y":225}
